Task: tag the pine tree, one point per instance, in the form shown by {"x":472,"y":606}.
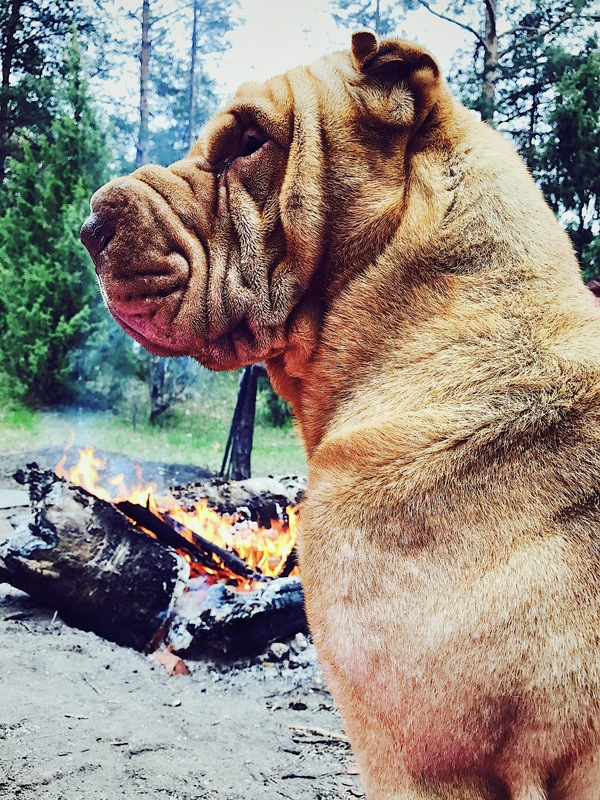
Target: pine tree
{"x":32,"y":36}
{"x":46,"y":281}
{"x":571,"y":153}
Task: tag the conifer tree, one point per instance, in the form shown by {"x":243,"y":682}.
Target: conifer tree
{"x":570,"y":154}
{"x":47,"y":285}
{"x":32,"y":36}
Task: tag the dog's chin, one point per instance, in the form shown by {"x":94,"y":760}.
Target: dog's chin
{"x":227,"y":352}
{"x":158,"y":349}
{"x":158,"y":336}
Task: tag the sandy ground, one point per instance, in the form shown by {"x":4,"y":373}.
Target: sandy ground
{"x":83,"y":718}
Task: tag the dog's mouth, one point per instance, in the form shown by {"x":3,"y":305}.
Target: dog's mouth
{"x":149,"y":303}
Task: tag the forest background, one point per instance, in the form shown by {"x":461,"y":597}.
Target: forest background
{"x":92,"y":88}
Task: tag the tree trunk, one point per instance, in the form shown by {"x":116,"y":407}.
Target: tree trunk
{"x":8,"y":50}
{"x":143,"y":143}
{"x":158,"y":367}
{"x":490,"y":62}
{"x":158,"y":380}
{"x":241,"y":451}
{"x":533,"y":120}
{"x":192,"y":87}
{"x":238,"y":451}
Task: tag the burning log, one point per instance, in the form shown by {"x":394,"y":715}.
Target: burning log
{"x":201,"y":550}
{"x":235,"y":525}
{"x":82,"y":556}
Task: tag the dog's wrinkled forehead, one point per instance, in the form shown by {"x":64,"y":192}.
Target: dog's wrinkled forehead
{"x":273,"y":105}
{"x":268,"y":106}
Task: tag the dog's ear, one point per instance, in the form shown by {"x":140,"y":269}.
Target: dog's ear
{"x":392,"y":63}
{"x":364,"y":46}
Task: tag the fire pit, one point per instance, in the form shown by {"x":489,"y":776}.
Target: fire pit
{"x":149,"y":570}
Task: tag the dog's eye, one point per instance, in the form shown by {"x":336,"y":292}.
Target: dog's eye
{"x":252,"y":140}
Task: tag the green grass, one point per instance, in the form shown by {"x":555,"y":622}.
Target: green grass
{"x":196,"y":434}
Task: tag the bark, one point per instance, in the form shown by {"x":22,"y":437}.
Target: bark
{"x":490,"y":62}
{"x":143,"y":145}
{"x":192,"y":79}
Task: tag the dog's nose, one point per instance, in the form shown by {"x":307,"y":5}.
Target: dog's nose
{"x":96,"y":233}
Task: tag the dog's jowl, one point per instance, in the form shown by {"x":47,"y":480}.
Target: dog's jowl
{"x":415,"y":300}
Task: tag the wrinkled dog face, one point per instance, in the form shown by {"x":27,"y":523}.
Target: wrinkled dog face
{"x":184,"y":255}
{"x":221,"y":255}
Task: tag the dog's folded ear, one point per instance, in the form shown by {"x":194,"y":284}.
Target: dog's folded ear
{"x":396,"y":63}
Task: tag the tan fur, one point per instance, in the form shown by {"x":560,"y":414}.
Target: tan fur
{"x":421,"y":309}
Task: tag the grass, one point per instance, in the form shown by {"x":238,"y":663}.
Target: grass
{"x":196,"y":434}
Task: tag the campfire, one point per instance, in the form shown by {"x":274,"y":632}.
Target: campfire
{"x":152,"y":569}
{"x":264,"y":551}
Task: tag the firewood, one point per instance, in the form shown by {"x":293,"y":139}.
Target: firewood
{"x":200,"y":549}
{"x":80,"y":555}
{"x":227,"y":622}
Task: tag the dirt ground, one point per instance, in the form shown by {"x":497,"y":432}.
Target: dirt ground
{"x":81,"y":717}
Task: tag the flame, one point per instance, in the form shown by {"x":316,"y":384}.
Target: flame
{"x":86,"y":474}
{"x":264,"y":549}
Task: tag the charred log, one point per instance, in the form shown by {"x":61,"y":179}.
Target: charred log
{"x":84,"y":558}
{"x":222,"y":620}
{"x":258,"y":499}
{"x":290,"y":563}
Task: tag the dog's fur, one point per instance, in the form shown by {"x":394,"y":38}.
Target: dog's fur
{"x":419,"y":306}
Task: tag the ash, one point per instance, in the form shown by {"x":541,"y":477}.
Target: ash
{"x":81,"y":717}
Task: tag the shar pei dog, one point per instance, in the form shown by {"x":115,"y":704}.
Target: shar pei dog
{"x":416,"y":302}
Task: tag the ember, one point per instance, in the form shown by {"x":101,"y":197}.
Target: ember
{"x":264,"y":549}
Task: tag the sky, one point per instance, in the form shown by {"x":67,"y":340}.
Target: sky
{"x":279,"y":34}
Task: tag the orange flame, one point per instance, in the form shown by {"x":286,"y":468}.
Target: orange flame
{"x":264,"y":549}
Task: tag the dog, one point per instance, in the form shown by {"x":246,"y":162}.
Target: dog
{"x":416,"y":302}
